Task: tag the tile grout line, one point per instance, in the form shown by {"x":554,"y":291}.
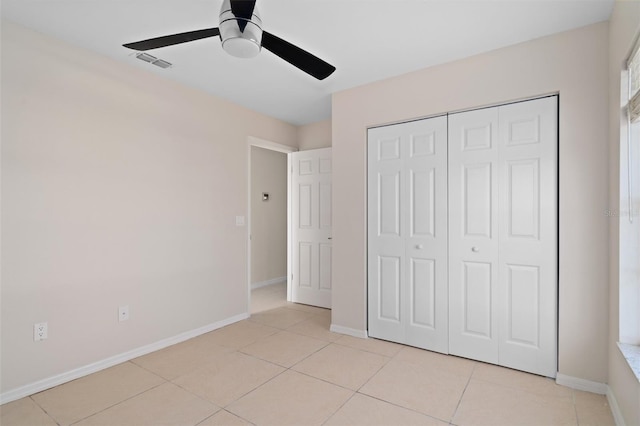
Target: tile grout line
{"x":226,"y":411}
{"x":147,"y":370}
{"x":374,"y":374}
{"x":325,"y":381}
{"x":290,"y":369}
{"x":337,"y":342}
{"x":250,"y":392}
{"x":453,"y":416}
{"x":413,"y":410}
{"x":389,"y":359}
{"x":339,"y":408}
{"x":119,"y":402}
{"x":106,"y":408}
{"x":285,"y":368}
{"x":43,"y":409}
{"x":237,"y":351}
{"x":575,"y":409}
{"x":297,"y":362}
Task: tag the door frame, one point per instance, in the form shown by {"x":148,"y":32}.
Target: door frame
{"x":285,"y":149}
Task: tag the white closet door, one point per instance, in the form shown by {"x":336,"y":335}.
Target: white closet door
{"x":503,"y":235}
{"x":528,"y":236}
{"x":473,"y":234}
{"x":311,"y":215}
{"x":407,"y":231}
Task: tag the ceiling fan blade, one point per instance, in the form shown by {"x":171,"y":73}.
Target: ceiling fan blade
{"x":297,"y":57}
{"x":243,"y":8}
{"x":170,"y":40}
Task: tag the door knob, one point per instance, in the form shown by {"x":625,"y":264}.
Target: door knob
{"x":475,"y":249}
{"x":419,"y":246}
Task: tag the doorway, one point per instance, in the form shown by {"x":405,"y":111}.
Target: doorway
{"x":268,"y":257}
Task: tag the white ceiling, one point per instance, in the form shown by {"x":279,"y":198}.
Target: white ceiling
{"x":366,"y":40}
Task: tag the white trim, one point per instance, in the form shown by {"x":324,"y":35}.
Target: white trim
{"x":76,"y":373}
{"x":289,"y":229}
{"x":273,"y":146}
{"x":615,"y":408}
{"x":582,"y":384}
{"x":362,"y":334}
{"x":272,"y":281}
{"x":594,"y":387}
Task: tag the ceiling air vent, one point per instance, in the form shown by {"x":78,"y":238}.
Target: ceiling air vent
{"x":153,"y":60}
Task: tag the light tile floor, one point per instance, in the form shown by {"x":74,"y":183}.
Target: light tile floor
{"x":283,"y":367}
{"x":269,"y":297}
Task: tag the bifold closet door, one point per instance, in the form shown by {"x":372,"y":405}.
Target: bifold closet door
{"x":503,"y":235}
{"x":407,"y":233}
{"x":473,"y":234}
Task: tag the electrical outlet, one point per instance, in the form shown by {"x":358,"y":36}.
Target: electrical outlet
{"x":123,"y":313}
{"x":40,"y":331}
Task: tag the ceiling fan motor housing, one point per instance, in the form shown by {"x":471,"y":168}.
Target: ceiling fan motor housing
{"x":241,"y":37}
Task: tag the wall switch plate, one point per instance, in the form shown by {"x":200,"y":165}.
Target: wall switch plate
{"x":239,"y":220}
{"x":123,"y":313}
{"x":40,"y":331}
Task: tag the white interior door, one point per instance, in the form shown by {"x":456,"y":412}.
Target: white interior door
{"x":503,"y":235}
{"x":311,"y":227}
{"x":407,"y":232}
{"x":473,"y":234}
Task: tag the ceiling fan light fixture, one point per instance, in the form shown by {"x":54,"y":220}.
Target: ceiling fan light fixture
{"x":241,"y":37}
{"x":242,"y":45}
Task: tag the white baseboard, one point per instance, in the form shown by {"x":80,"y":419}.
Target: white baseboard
{"x":268,"y":282}
{"x":593,"y":387}
{"x":59,"y":379}
{"x":582,"y":384}
{"x":362,"y":334}
{"x":615,"y":408}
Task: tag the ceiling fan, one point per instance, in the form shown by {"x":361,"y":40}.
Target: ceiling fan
{"x":242,"y":36}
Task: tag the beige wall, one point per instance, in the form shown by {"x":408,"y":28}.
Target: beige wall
{"x":572,"y":63}
{"x":268,"y":218}
{"x":624,"y":26}
{"x":315,"y":135}
{"x":119,"y":187}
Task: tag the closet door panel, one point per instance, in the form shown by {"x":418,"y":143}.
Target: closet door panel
{"x":385,"y":234}
{"x":528,"y":236}
{"x":426,"y":302}
{"x":476,"y":300}
{"x":473,"y":236}
{"x":477,"y":208}
{"x":422,"y":283}
{"x":407,"y":232}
